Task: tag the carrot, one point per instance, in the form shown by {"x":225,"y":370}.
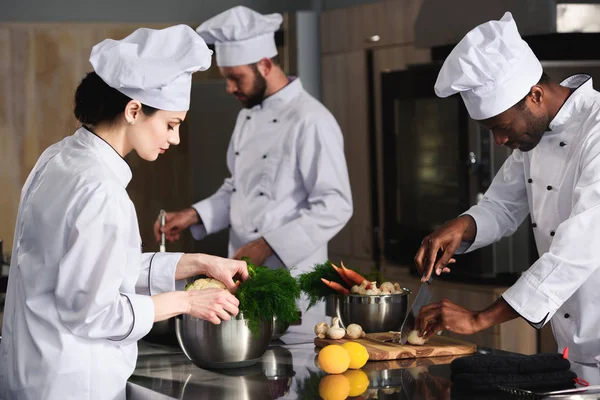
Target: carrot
{"x":354,"y":276}
{"x":335,"y":286}
{"x":342,"y":275}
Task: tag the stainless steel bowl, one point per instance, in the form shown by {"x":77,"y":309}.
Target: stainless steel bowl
{"x":377,"y":313}
{"x":240,"y":384}
{"x":279,"y":328}
{"x":228,"y":345}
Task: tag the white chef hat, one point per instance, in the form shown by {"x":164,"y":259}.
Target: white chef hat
{"x":492,"y":68}
{"x":241,"y":36}
{"x":153,"y":66}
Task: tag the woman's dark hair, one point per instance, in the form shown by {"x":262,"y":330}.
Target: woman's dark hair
{"x":96,"y":102}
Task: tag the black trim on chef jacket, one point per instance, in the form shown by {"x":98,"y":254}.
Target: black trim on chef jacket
{"x":536,"y":325}
{"x":95,"y":134}
{"x":132,"y":324}
{"x":150,"y":273}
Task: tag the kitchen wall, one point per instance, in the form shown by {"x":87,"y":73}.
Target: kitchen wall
{"x":133,"y":10}
{"x":42,"y":60}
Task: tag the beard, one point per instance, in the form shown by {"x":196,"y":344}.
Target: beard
{"x":256,"y":95}
{"x":536,"y":127}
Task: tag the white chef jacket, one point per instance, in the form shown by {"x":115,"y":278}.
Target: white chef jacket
{"x":289,"y":181}
{"x":78,"y":291}
{"x":558,"y":182}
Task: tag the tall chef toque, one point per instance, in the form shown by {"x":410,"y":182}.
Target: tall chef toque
{"x":241,"y":36}
{"x":152,"y":66}
{"x":492,"y":68}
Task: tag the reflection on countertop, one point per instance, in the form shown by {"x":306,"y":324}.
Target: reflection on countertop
{"x":287,"y":371}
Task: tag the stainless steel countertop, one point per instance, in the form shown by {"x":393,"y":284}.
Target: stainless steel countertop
{"x":286,"y":371}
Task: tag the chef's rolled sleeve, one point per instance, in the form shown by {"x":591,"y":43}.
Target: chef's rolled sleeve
{"x":529,"y":299}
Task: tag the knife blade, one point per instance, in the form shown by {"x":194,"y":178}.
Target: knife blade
{"x":422,"y":299}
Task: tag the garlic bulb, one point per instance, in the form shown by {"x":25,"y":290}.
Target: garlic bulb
{"x":415,"y":339}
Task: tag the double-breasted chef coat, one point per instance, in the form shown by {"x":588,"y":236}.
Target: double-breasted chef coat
{"x":78,"y":292}
{"x":558,"y":183}
{"x":289,"y":181}
{"x":289,"y":184}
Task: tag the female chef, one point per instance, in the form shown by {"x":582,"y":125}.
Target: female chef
{"x":80,"y":292}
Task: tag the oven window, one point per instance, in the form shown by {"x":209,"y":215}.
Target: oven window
{"x":427,"y":131}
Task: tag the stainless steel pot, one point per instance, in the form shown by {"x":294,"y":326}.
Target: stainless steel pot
{"x":377,"y":313}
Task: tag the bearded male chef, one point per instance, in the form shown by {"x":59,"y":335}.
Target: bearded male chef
{"x":289,"y":192}
{"x":553,"y":174}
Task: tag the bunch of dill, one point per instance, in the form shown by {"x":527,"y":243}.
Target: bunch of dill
{"x":314,"y":288}
{"x":266,"y":294}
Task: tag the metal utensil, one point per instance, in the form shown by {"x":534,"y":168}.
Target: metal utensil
{"x":227,"y":345}
{"x":423,"y":298}
{"x":527,"y":394}
{"x":162,"y":220}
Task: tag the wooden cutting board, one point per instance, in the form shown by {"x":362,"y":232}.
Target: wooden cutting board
{"x":436,"y":346}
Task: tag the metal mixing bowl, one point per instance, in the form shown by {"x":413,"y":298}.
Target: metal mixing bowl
{"x":228,"y":345}
{"x":377,"y":313}
{"x":279,"y":328}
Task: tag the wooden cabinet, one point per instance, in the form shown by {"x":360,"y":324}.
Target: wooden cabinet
{"x":45,"y":63}
{"x":344,"y":88}
{"x":348,"y":57}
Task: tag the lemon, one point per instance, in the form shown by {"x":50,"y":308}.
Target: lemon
{"x":334,"y":387}
{"x":334,"y":359}
{"x":358,"y":354}
{"x":359,"y":381}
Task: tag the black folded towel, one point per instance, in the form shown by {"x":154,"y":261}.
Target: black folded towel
{"x":544,"y":381}
{"x":485,"y":372}
{"x":510,"y":364}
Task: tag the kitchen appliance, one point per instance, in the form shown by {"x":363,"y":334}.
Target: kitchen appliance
{"x":438,"y":162}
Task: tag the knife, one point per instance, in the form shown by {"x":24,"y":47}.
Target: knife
{"x":422,"y":299}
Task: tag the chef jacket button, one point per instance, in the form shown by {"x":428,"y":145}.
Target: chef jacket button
{"x":549,"y":187}
{"x":248,"y":117}
{"x":567,"y":315}
{"x":256,"y":231}
{"x":562,"y":144}
{"x":534,"y":225}
{"x":143,"y":245}
{"x":237,"y":153}
{"x":529,"y":180}
{"x":264,"y":156}
{"x":234,"y":189}
{"x":261,"y":194}
{"x":275,"y":120}
{"x":552,"y":233}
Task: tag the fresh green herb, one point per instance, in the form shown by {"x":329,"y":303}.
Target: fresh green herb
{"x":315,"y":289}
{"x":308,"y":388}
{"x":266,"y":294}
